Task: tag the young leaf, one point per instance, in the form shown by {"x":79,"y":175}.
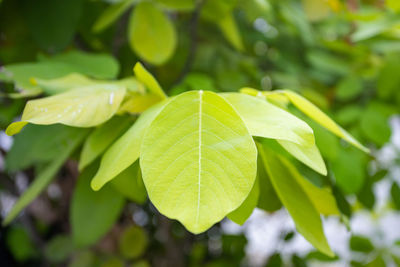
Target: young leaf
{"x":93,"y":213}
{"x":295,"y":199}
{"x":101,"y":138}
{"x":82,"y":107}
{"x":231,"y":32}
{"x":243,"y":212}
{"x":47,"y":174}
{"x":206,"y":160}
{"x":148,"y":80}
{"x":130,"y":184}
{"x":266,"y":120}
{"x":317,"y":115}
{"x":138,"y":103}
{"x":111,"y":14}
{"x":151,"y":34}
{"x":309,"y":155}
{"x":125,"y":150}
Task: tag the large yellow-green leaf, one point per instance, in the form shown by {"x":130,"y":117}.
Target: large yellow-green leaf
{"x":241,"y":214}
{"x":137,"y":102}
{"x":111,"y":14}
{"x":47,"y":174}
{"x":125,"y":150}
{"x":198,"y":160}
{"x":148,"y":80}
{"x":101,"y":138}
{"x":82,"y":107}
{"x":295,"y":199}
{"x":266,"y":120}
{"x":151,"y":34}
{"x":317,"y":115}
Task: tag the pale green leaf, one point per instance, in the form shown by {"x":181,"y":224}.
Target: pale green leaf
{"x":266,"y":120}
{"x":46,"y":175}
{"x":130,"y":184}
{"x":92,"y":214}
{"x":101,"y":138}
{"x":151,"y":34}
{"x":295,"y":199}
{"x":231,"y":32}
{"x":243,"y":212}
{"x":317,"y":115}
{"x":125,"y":150}
{"x":181,"y":5}
{"x":58,"y":85}
{"x":82,"y":107}
{"x":205,"y":157}
{"x":309,"y":155}
{"x":148,"y":80}
{"x":137,"y":103}
{"x":111,"y":14}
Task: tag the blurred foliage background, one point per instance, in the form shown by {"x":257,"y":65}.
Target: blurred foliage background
{"x":343,"y":55}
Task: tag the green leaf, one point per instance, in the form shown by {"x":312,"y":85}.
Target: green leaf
{"x":111,"y":14}
{"x":322,"y":198}
{"x":130,"y":184}
{"x":38,"y":144}
{"x":231,"y":32}
{"x":64,"y":83}
{"x":47,"y":174}
{"x":375,"y":126}
{"x":82,"y":107}
{"x":309,"y":155}
{"x":148,"y":80}
{"x":101,"y":138}
{"x":395,"y":194}
{"x":181,"y":5}
{"x":295,"y":199}
{"x":243,"y":212}
{"x":205,"y":157}
{"x":317,"y":115}
{"x":266,"y":120}
{"x":92,"y":214}
{"x":360,"y":244}
{"x":59,"y":248}
{"x":151,"y":34}
{"x":349,"y":171}
{"x":19,"y":244}
{"x":126,"y":150}
{"x":52,"y":25}
{"x":100,"y":66}
{"x":133,"y":242}
{"x":349,"y":88}
{"x":267,"y":200}
{"x":215,"y":10}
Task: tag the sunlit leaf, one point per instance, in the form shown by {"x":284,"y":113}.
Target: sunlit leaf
{"x":111,"y":14}
{"x":295,"y":199}
{"x":317,"y":115}
{"x":151,"y":34}
{"x":92,"y":213}
{"x":99,"y":140}
{"x":148,"y":80}
{"x":241,"y":214}
{"x":82,"y":107}
{"x":206,"y":160}
{"x":125,"y":150}
{"x":47,"y":174}
{"x":182,"y":5}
